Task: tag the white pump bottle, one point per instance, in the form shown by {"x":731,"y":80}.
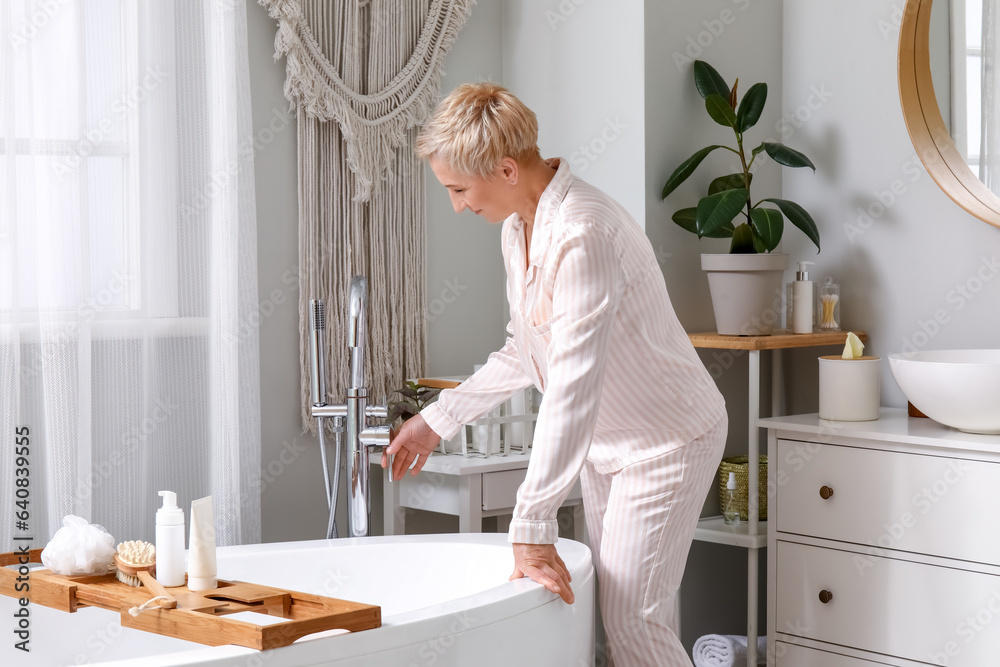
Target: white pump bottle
{"x":802,"y":301}
{"x":170,"y":541}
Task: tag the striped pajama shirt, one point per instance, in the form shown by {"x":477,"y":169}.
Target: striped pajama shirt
{"x":627,"y":406}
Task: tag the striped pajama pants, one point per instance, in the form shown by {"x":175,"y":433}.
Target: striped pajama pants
{"x":641,"y":522}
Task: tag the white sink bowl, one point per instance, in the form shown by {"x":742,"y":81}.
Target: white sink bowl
{"x":958,"y":388}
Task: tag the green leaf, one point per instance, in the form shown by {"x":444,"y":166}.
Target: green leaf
{"x":758,"y":244}
{"x":723,"y":232}
{"x":399,"y":409}
{"x":427,"y":394}
{"x":751,"y":107}
{"x":769,"y":224}
{"x":729,"y":182}
{"x":686,"y":169}
{"x":708,"y":81}
{"x":687,"y":219}
{"x":720,"y":111}
{"x":742,"y":241}
{"x":798,"y":217}
{"x":409,"y":392}
{"x":789,"y":157}
{"x":716,"y":210}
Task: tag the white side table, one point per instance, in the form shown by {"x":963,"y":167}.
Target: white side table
{"x":469,"y":488}
{"x":752,"y":535}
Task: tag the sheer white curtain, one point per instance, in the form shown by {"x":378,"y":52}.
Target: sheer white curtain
{"x":989,"y":164}
{"x":127,"y":264}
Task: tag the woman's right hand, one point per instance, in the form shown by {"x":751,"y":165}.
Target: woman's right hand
{"x":414,"y":440}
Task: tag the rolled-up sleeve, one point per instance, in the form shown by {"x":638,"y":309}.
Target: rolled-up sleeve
{"x":586,"y":291}
{"x":499,"y":378}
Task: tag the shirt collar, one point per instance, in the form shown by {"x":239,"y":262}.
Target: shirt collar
{"x":548,"y":206}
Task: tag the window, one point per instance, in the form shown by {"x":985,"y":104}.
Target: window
{"x":88,"y":100}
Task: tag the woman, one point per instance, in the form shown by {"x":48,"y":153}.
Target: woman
{"x":628,"y":406}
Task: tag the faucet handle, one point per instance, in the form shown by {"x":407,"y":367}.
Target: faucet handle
{"x":376,"y":439}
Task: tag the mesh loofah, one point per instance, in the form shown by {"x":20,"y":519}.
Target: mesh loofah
{"x":79,"y":547}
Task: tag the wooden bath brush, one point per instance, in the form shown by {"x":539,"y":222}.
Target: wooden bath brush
{"x":136,"y":562}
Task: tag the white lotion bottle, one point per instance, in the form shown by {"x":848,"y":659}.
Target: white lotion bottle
{"x":202,"y":568}
{"x":170,"y":541}
{"x":802,"y":301}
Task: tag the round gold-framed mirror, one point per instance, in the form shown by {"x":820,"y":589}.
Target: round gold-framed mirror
{"x":928,"y":130}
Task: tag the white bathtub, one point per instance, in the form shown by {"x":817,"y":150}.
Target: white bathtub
{"x":445,"y":600}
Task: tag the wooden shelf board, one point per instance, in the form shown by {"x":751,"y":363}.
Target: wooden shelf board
{"x":780,"y":340}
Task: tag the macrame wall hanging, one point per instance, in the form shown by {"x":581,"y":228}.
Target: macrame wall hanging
{"x":363,"y":75}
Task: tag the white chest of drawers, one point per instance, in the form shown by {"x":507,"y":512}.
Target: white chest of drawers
{"x":883,"y":543}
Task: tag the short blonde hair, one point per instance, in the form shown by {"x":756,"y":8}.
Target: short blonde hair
{"x":476,"y":126}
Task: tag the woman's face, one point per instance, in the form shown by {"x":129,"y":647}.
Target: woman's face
{"x":488,"y":197}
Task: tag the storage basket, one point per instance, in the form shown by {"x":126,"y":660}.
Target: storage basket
{"x":741,"y":466}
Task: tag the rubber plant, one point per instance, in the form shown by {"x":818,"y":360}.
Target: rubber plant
{"x":760,"y":228}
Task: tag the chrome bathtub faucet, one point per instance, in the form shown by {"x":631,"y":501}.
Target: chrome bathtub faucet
{"x":363,"y":439}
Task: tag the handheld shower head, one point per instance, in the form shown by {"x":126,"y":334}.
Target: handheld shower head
{"x":317,"y":355}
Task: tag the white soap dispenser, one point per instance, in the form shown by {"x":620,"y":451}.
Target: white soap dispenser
{"x":170,"y":541}
{"x":802,"y":301}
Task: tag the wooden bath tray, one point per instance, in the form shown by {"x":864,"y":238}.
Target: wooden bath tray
{"x":199,"y":617}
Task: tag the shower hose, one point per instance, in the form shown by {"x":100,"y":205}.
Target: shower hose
{"x":332,"y":489}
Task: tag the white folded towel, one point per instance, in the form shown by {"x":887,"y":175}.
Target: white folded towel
{"x":726,"y":651}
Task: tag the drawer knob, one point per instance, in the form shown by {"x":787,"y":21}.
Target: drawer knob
{"x":825,"y":596}
{"x":826,"y":492}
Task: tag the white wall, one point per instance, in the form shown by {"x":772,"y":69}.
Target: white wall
{"x":465,"y":274}
{"x":579,"y":66}
{"x":915,"y":270}
{"x":740,"y":38}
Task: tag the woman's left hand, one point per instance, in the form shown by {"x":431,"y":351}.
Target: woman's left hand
{"x":542,"y":563}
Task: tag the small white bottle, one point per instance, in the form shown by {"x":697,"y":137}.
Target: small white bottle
{"x":802,"y":301}
{"x":170,"y":541}
{"x":730,"y":507}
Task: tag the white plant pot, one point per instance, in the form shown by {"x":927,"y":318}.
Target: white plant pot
{"x":746,"y":291}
